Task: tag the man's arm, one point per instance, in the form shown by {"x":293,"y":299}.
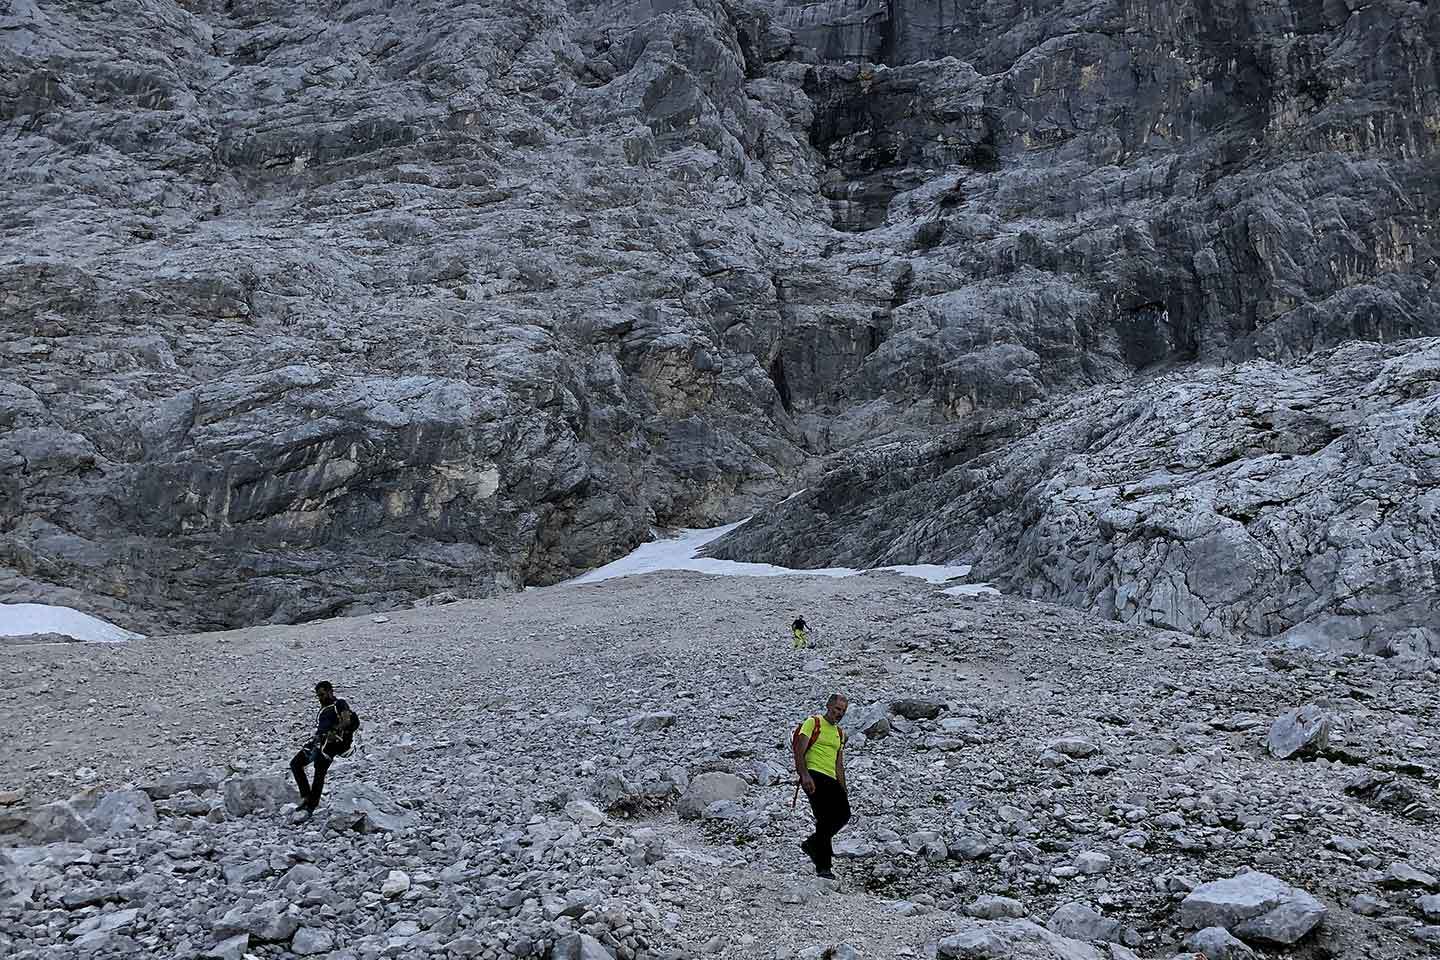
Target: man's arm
{"x":799,"y":745}
{"x":840,"y":767}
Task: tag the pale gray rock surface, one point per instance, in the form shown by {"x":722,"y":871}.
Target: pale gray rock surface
{"x":1255,"y":906}
{"x":1243,"y":501}
{"x":709,"y":788}
{"x":1216,"y":943}
{"x":1296,"y":733}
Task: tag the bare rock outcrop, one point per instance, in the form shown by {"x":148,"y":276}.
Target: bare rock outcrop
{"x":1262,"y":500}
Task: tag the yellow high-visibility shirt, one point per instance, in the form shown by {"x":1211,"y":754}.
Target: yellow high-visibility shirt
{"x":826,"y":750}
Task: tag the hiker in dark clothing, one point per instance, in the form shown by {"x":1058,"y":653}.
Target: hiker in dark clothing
{"x":819,"y":748}
{"x":321,"y":749}
{"x":797,"y":632}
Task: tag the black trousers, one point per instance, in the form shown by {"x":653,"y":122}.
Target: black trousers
{"x":832,"y":811}
{"x":310,"y":792}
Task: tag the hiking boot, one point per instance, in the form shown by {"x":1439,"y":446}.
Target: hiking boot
{"x":807,"y":846}
{"x":824,"y":872}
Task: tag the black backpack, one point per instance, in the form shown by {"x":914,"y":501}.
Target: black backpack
{"x":342,"y":738}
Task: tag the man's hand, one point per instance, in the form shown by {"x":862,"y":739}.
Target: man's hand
{"x":807,"y":783}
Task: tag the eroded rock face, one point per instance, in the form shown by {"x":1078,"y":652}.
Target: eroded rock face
{"x":1257,"y":500}
{"x":311,"y":314}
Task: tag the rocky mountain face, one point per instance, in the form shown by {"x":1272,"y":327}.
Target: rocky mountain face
{"x":1259,"y":500}
{"x":313,"y":310}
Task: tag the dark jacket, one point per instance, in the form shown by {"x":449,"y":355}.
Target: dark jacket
{"x":327,"y":724}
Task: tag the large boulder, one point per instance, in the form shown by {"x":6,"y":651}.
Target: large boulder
{"x":1253,"y":906}
{"x":263,"y":794}
{"x":271,"y":921}
{"x":1082,"y":922}
{"x":119,"y":811}
{"x":580,"y":946}
{"x":362,"y":807}
{"x":709,"y":788}
{"x":873,"y":721}
{"x":1298,"y":733}
{"x":1012,"y":940}
{"x":47,"y":823}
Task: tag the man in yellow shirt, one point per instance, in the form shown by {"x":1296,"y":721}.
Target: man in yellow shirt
{"x":819,"y":748}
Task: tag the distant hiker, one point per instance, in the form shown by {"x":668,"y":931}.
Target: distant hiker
{"x":797,"y":630}
{"x":819,"y":748}
{"x":334,"y":730}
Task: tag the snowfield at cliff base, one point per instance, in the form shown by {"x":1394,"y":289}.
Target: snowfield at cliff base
{"x":682,"y":552}
{"x":27,"y":619}
{"x":679,"y":552}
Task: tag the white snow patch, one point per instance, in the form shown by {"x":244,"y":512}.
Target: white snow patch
{"x":679,"y":553}
{"x":20,"y":619}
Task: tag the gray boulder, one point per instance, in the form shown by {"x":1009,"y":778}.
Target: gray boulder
{"x":580,"y":946}
{"x":120,"y":811}
{"x":1012,"y":940}
{"x":167,"y":786}
{"x":1301,"y":732}
{"x":47,"y":823}
{"x":272,"y":921}
{"x":1253,"y":906}
{"x":309,"y":941}
{"x":362,"y":807}
{"x":992,"y":907}
{"x":916,"y":708}
{"x":872,"y":721}
{"x":1082,"y":922}
{"x":264,"y":794}
{"x":1401,"y":874}
{"x":709,"y":788}
{"x":649,"y":722}
{"x":1216,"y":943}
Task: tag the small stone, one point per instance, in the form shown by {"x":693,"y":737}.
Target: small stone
{"x":395,"y":884}
{"x":991,"y":907}
{"x":1401,"y":874}
{"x":1075,"y":747}
{"x":648,"y":722}
{"x":914,"y":708}
{"x":1092,"y":863}
{"x":1216,"y":943}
